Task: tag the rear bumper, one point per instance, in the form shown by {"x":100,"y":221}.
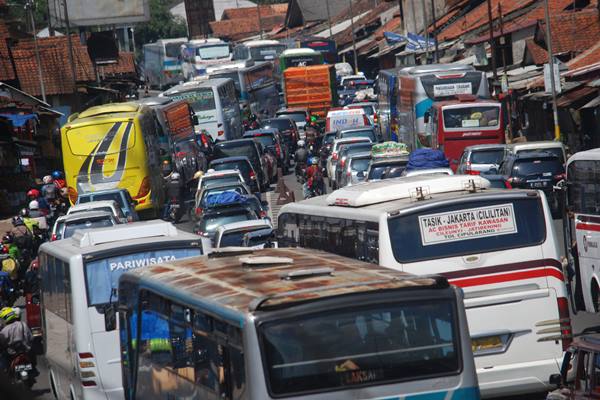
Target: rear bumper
{"x":513,"y":379}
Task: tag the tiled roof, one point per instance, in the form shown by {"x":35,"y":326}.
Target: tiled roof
{"x":344,"y":37}
{"x":588,"y":57}
{"x":252,"y":12}
{"x":391,"y":26}
{"x":125,"y":66}
{"x":479,"y":16}
{"x":539,"y":55}
{"x":6,"y":69}
{"x":240,"y":28}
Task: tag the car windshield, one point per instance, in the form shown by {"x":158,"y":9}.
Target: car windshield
{"x":548,"y":167}
{"x":236,"y":238}
{"x":266,"y":139}
{"x":363,"y":345}
{"x":102,"y":275}
{"x":360,"y":164}
{"x":101,"y":197}
{"x":213,"y":52}
{"x":296,"y":117}
{"x":387,"y":170}
{"x":282,"y":125}
{"x":240,"y":165}
{"x":557,"y":151}
{"x":474,"y":227}
{"x":487,"y":156}
{"x":368,"y":133}
{"x":211,"y":222}
{"x":471,"y":117}
{"x":71,"y":227}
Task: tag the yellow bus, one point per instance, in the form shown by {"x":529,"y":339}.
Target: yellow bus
{"x":114,"y":146}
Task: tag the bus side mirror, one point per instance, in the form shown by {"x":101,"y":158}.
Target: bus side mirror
{"x":555,"y":380}
{"x":110,"y":317}
{"x":426,"y":117}
{"x":195,"y":120}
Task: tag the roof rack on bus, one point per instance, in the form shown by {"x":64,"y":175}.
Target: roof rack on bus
{"x":230,"y":251}
{"x":417,"y":188}
{"x":265,"y":261}
{"x":136,"y":230}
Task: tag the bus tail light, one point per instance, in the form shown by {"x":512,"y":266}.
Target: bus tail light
{"x":73,"y":195}
{"x":88,"y":383}
{"x":563,"y":331}
{"x":86,"y":366}
{"x":473,"y":172}
{"x":53,"y":237}
{"x":144,"y":188}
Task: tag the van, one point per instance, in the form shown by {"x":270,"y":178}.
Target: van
{"x":346,"y":119}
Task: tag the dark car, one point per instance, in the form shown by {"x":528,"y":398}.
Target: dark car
{"x":541,"y":170}
{"x":287,"y":128}
{"x":188,"y":158}
{"x":241,"y":164}
{"x":386,"y":167}
{"x":271,"y":141}
{"x":214,"y":217}
{"x":247,"y":148}
{"x":346,"y":151}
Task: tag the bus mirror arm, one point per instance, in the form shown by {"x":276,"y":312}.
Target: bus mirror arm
{"x":110,"y":313}
{"x":195,"y":120}
{"x":555,"y":379}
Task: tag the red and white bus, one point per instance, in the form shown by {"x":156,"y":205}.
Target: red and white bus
{"x":466,"y":121}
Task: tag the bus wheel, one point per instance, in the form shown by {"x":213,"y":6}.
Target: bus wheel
{"x":596,"y":296}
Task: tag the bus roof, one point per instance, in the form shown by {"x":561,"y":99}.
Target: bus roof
{"x":117,"y":237}
{"x":235,"y":281}
{"x":299,"y":52}
{"x":116,"y":111}
{"x":257,"y":43}
{"x":192,"y":85}
{"x":435,"y":68}
{"x":593,"y":154}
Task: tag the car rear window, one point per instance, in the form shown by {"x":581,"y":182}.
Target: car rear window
{"x":240,"y":165}
{"x":296,"y":117}
{"x":487,"y":156}
{"x":360,"y":164}
{"x":221,"y":180}
{"x":236,"y":238}
{"x":387,"y":170}
{"x":537,"y":167}
{"x":557,"y":151}
{"x":283,"y":124}
{"x":237,"y":149}
{"x":467,"y":228}
{"x":266,"y":139}
{"x":368,"y":133}
{"x":70,"y":228}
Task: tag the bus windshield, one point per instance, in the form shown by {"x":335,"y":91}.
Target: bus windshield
{"x":213,"y":52}
{"x":366,"y":345}
{"x":473,"y":227}
{"x":264,"y":53}
{"x":199,"y":99}
{"x":102,"y":275}
{"x":471,"y":117}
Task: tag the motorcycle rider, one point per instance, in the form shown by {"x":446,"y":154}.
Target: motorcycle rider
{"x":300,"y":157}
{"x":34,"y":194}
{"x":314,"y":179}
{"x":59,"y":179}
{"x":49,"y":189}
{"x":174,"y":189}
{"x":15,"y":337}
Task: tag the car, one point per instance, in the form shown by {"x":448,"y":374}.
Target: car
{"x":370,"y":108}
{"x":247,"y":148}
{"x":121,"y":196}
{"x":299,"y":115}
{"x":428,"y":171}
{"x":480,"y":158}
{"x":386,"y":167}
{"x":345,"y":80}
{"x":536,"y":170}
{"x":288,"y":129}
{"x":234,"y":234}
{"x":271,"y":141}
{"x":346,"y":119}
{"x":355,"y":170}
{"x":213,"y":217}
{"x":226,"y":176}
{"x":66,"y":225}
{"x":101,"y":205}
{"x":549,"y":146}
{"x":188,"y":158}
{"x":368,"y":132}
{"x":333,"y":156}
{"x":345,"y":151}
{"x":245,"y":198}
{"x":218,"y":186}
{"x":241,"y":164}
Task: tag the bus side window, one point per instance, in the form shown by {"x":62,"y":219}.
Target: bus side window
{"x":288,"y":230}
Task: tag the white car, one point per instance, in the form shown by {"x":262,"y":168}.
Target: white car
{"x":233,"y":234}
{"x":223,"y":177}
{"x":335,"y":147}
{"x":66,"y":225}
{"x":102,"y":205}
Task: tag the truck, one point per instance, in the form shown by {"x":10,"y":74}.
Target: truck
{"x":312,"y":87}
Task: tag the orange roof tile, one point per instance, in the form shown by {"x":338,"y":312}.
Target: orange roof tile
{"x":6,"y":70}
{"x":252,"y":12}
{"x":391,"y":26}
{"x":539,"y":55}
{"x":588,"y":57}
{"x":125,"y":65}
{"x":235,"y":29}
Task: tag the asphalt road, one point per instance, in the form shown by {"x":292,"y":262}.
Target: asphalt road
{"x":580,"y":321}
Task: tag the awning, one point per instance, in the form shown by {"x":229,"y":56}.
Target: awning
{"x":387,"y":50}
{"x":592,"y":104}
{"x":18,"y":120}
{"x":575,"y":95}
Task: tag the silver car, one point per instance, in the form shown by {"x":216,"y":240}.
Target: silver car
{"x":355,"y":170}
{"x":480,"y":158}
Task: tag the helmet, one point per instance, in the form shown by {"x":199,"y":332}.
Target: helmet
{"x":314,"y":161}
{"x":34,"y":205}
{"x":7,"y":239}
{"x":17,"y":221}
{"x":301,"y":143}
{"x":175,"y":176}
{"x":33,"y":193}
{"x":57,"y":175}
{"x":24,"y":213}
{"x":9,"y":314}
{"x":47,"y":179}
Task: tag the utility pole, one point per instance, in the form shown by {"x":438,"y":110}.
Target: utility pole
{"x":492,"y":45}
{"x":260,"y":26}
{"x":505,"y":74}
{"x":329,"y":19}
{"x":426,"y":27}
{"x":435,"y":56}
{"x":70,"y":44}
{"x":353,"y":40}
{"x":29,"y":8}
{"x":551,"y":63}
{"x":402,"y":25}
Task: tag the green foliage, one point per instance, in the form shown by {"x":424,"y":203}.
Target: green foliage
{"x":162,"y":24}
{"x":18,"y":15}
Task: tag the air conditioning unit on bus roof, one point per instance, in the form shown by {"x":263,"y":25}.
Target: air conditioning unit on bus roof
{"x":403,"y":188}
{"x":135,"y":230}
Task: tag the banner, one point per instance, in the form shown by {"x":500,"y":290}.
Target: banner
{"x":95,"y":12}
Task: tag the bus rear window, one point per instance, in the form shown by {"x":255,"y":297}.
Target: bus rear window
{"x":101,"y":276}
{"x":467,"y":228}
{"x":367,"y":345}
{"x":471,"y":117}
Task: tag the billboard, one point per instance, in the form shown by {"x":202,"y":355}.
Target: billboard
{"x":94,"y":12}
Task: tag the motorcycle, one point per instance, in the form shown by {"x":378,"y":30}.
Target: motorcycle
{"x":173,"y":212}
{"x":315,"y":187}
{"x":21,"y":370}
{"x":300,"y":172}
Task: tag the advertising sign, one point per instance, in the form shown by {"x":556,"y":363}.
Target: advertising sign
{"x":473,"y":223}
{"x":452,"y":89}
{"x":94,"y":12}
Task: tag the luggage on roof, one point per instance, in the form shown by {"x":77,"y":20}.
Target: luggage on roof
{"x":426,"y":159}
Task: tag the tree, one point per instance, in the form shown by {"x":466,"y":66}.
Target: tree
{"x":162,"y":24}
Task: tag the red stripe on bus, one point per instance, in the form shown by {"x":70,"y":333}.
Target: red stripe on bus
{"x":514,"y":276}
{"x":588,"y":227}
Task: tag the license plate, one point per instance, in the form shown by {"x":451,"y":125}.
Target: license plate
{"x":486,"y":343}
{"x":24,"y":367}
{"x":175,"y":206}
{"x":538,"y":184}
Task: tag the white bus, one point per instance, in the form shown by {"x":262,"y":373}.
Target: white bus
{"x":420,"y":86}
{"x":582,"y":225}
{"x":498,"y":245}
{"x":293,"y":324}
{"x":215,"y":104}
{"x":162,"y":65}
{"x":199,"y":54}
{"x":259,"y":50}
{"x":78,"y":277}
